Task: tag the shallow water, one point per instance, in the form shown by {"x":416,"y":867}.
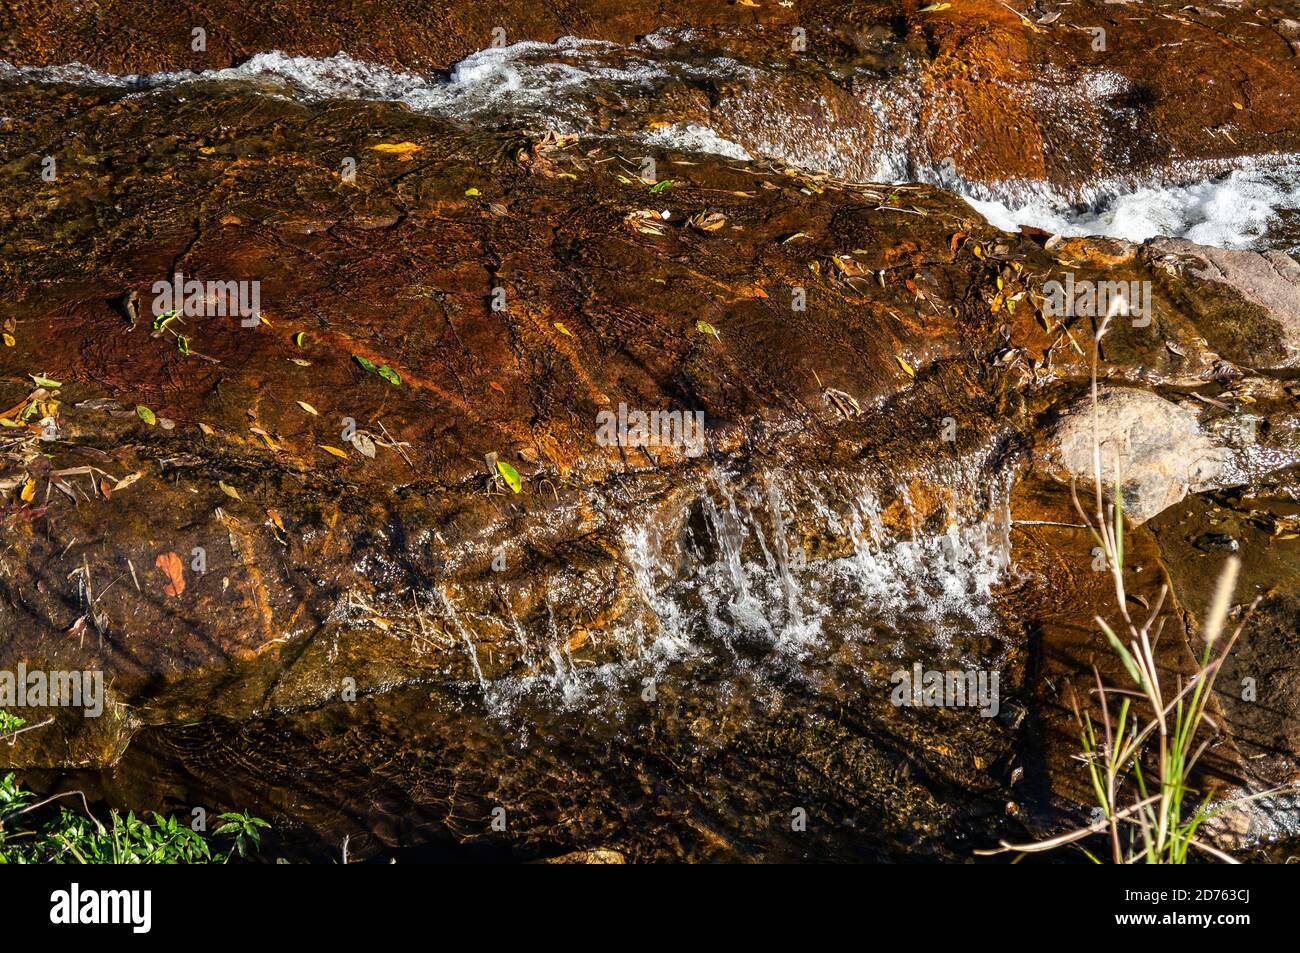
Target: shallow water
{"x":574,"y":85}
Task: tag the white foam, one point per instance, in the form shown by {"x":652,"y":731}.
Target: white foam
{"x":694,"y":137}
{"x":523,"y":77}
{"x":1234,"y":210}
{"x":1231,"y":205}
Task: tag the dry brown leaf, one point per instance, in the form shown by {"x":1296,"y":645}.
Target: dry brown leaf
{"x":174,"y":570}
{"x":127,"y":480}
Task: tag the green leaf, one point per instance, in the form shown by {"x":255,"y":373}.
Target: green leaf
{"x":390,"y":375}
{"x":145,"y":414}
{"x":366,"y":363}
{"x":300,"y":338}
{"x":660,"y":186}
{"x":1124,"y":654}
{"x":164,"y":319}
{"x":182,"y":344}
{"x":705,"y":328}
{"x":511,"y":476}
{"x":44,"y":381}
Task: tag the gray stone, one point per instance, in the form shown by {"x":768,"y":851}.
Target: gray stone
{"x":1162,"y":451}
{"x":1269,"y":280}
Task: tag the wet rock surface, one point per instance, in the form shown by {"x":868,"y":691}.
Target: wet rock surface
{"x":288,"y":540}
{"x":982,"y":92}
{"x":1269,"y":281}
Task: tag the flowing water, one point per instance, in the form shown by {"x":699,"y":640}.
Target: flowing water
{"x":587,"y":86}
{"x":754,"y":677}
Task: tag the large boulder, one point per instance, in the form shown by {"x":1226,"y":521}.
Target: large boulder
{"x":1249,"y":302}
{"x":1154,"y":448}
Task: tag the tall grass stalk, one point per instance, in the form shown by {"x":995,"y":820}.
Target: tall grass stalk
{"x":1149,"y":741}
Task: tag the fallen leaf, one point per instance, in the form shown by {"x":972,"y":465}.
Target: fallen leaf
{"x":904,"y":365}
{"x":705,"y":328}
{"x":300,"y":338}
{"x":390,"y":375}
{"x":275,"y":518}
{"x":145,"y":414}
{"x":174,"y":570}
{"x":563,"y":330}
{"x":334,"y":450}
{"x":44,"y":381}
{"x":397,"y":148}
{"x":29,"y":490}
{"x":644,"y":220}
{"x":9,"y":340}
{"x":127,"y":480}
{"x":707,"y":221}
{"x":309,"y":408}
{"x":472,"y":193}
{"x":230,"y":491}
{"x":364,"y":445}
{"x":206,"y":429}
{"x":511,"y":476}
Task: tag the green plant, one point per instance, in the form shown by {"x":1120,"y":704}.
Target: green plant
{"x":72,"y":837}
{"x":1152,"y":740}
{"x":10,"y":723}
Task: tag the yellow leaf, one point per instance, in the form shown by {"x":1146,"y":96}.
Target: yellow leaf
{"x":397,"y":148}
{"x":563,"y":330}
{"x":471,"y":193}
{"x":334,"y":450}
{"x":9,"y":340}
{"x":230,"y":491}
{"x":206,"y":429}
{"x":29,"y":490}
{"x":309,"y":408}
{"x":904,"y":365}
{"x":511,"y":476}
